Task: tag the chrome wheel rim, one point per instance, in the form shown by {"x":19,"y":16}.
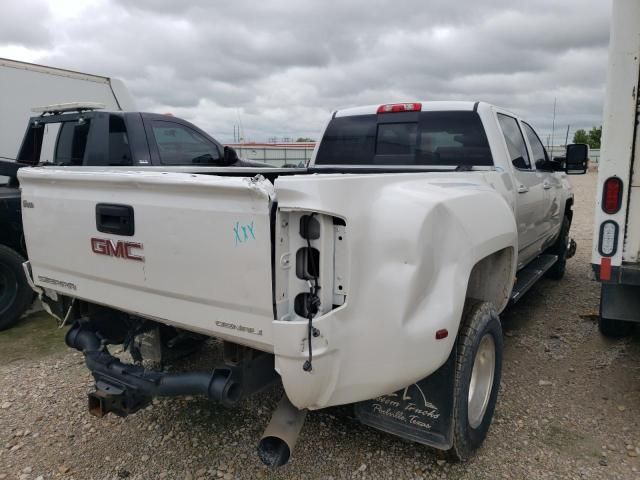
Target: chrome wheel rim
{"x":484,"y":366}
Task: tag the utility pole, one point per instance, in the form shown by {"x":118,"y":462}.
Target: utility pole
{"x":240,"y":127}
{"x":553,"y":125}
{"x":566,"y":138}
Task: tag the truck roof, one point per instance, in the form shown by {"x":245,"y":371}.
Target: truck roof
{"x":427,"y":106}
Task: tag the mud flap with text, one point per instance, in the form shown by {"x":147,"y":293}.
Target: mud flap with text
{"x":421,"y":412}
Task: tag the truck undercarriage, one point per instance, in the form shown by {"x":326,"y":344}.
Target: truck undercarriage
{"x":124,"y":388}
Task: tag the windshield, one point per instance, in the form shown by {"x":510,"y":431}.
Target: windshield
{"x":453,"y":138}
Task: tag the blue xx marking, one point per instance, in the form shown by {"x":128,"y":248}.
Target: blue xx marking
{"x":243,"y":232}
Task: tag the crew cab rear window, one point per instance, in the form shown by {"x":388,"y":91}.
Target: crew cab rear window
{"x":515,"y":142}
{"x":119,"y":149}
{"x":61,"y":143}
{"x":451,"y":138}
{"x":180,"y":145}
{"x":72,"y":142}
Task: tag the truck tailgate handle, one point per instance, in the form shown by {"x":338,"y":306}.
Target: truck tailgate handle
{"x":115,"y":219}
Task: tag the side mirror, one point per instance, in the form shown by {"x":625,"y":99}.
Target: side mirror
{"x":577,"y":159}
{"x":549,"y":165}
{"x":520,"y":163}
{"x":230,"y":156}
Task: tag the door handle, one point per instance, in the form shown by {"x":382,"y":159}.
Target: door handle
{"x":546,"y":185}
{"x":523,"y":189}
{"x":115,"y":219}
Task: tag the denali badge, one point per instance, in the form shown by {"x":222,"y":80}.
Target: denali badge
{"x":240,"y":328}
{"x":59,"y":283}
{"x":120,"y":248}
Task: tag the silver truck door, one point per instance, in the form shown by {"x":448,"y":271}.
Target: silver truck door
{"x":551,"y":220}
{"x":530,"y":199}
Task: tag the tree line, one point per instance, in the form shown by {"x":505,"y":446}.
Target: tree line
{"x":591,"y":138}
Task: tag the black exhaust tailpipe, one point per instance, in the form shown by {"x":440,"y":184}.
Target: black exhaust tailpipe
{"x":124,"y":388}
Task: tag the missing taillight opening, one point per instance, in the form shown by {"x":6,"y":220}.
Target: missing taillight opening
{"x":612,"y":195}
{"x":307,"y":263}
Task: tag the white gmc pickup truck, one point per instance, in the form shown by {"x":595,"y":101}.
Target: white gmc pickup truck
{"x":374,"y":277}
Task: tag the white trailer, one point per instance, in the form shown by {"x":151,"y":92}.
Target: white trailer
{"x":26,"y":85}
{"x":616,"y":246}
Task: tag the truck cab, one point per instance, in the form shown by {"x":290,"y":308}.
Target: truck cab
{"x":85,"y":135}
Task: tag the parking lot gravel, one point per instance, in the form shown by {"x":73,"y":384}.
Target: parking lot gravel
{"x":569,"y":407}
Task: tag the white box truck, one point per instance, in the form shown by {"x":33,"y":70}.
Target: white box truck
{"x":26,"y":85}
{"x":616,"y":246}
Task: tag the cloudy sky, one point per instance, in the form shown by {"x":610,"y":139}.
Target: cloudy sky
{"x":280,"y":67}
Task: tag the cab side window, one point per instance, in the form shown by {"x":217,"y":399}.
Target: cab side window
{"x":119,"y":150}
{"x":180,"y":145}
{"x":539,"y":152}
{"x":515,"y":142}
{"x":72,"y":142}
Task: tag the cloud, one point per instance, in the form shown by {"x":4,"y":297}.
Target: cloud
{"x":279,"y":68}
{"x":25,"y":24}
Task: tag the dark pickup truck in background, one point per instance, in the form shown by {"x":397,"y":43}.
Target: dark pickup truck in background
{"x":15,"y":293}
{"x":81,"y":135}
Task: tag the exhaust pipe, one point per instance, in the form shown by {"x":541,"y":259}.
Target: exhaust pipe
{"x":281,"y":434}
{"x":124,"y":388}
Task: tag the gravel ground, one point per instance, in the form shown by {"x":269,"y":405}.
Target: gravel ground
{"x":569,"y":407}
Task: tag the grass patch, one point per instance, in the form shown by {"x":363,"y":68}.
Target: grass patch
{"x":35,"y":336}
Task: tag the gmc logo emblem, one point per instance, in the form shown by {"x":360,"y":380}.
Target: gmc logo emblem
{"x":119,"y":249}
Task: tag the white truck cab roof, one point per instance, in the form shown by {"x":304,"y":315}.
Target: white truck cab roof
{"x":425,"y":106}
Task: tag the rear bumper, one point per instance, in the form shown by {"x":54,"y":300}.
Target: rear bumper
{"x":626,"y":274}
{"x":620,"y":295}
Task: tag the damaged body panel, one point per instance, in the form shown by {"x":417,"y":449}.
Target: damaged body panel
{"x":410,"y":249}
{"x":184,"y":237}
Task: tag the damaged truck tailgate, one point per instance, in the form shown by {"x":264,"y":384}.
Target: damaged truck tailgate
{"x":181,"y":248}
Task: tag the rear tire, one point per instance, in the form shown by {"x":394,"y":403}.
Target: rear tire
{"x":615,"y":328}
{"x":478,"y":370}
{"x":15,"y":293}
{"x":560,"y":248}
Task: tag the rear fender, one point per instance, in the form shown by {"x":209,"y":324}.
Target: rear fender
{"x":412,"y":247}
